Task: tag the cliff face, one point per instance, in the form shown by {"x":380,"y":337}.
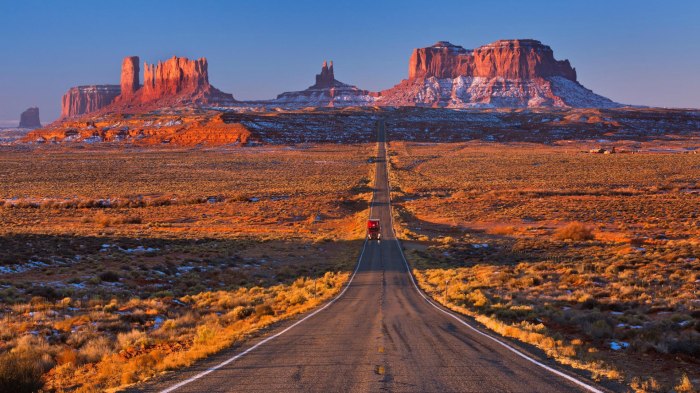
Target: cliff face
{"x":30,"y":118}
{"x":129,"y":77}
{"x":85,"y":99}
{"x":509,"y":59}
{"x":174,"y":76}
{"x":506,"y":73}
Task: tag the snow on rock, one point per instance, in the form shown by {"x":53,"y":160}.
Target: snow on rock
{"x":618,"y":345}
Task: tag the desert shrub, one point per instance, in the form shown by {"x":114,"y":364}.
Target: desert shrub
{"x":136,"y":316}
{"x":129,"y":220}
{"x":649,"y":385}
{"x":193,"y":200}
{"x":241,"y":312}
{"x":205,"y":334}
{"x":264,"y":309}
{"x":87,"y":203}
{"x":94,"y":350}
{"x":574,"y":231}
{"x":160,"y":202}
{"x":109,"y":276}
{"x":188,"y":320}
{"x":599,"y":329}
{"x":49,"y":204}
{"x":297,"y":298}
{"x":21,"y":371}
{"x":134,"y":338}
{"x":503,"y":230}
{"x":478,"y":298}
{"x":684,"y":385}
{"x":48,"y":293}
{"x":26,"y":205}
{"x":238,"y":198}
{"x":103,"y":220}
{"x":66,"y":355}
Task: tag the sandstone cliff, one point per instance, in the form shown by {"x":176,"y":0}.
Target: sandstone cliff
{"x":129,"y":77}
{"x":85,"y":99}
{"x":180,"y":80}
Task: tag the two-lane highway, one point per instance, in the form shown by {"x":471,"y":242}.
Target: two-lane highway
{"x":380,"y":334}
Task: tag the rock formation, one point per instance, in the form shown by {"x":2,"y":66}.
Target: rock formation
{"x":326,"y":92}
{"x":130,"y":77}
{"x":30,"y":118}
{"x":326,"y":78}
{"x":506,"y":73}
{"x":85,"y":99}
{"x":175,"y":82}
{"x":180,"y":77}
{"x":509,"y":59}
{"x":174,"y":76}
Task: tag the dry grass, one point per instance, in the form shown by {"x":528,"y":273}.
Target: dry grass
{"x":575,"y":231}
{"x":204,"y":324}
{"x":125,"y":265}
{"x":576,"y":254}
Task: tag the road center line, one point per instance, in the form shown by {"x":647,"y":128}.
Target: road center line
{"x":238,"y":356}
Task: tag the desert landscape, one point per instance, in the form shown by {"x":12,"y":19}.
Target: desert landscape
{"x":486,"y":224}
{"x":110,"y":279}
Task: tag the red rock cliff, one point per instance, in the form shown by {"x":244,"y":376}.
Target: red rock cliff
{"x":84,"y":99}
{"x":130,"y":76}
{"x":509,"y":59}
{"x":173,"y":77}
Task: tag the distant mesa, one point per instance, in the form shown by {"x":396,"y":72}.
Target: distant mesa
{"x":326,"y":92}
{"x":86,"y":99}
{"x":30,"y":118}
{"x":505,"y":73}
{"x":514,"y":73}
{"x":176,"y":82}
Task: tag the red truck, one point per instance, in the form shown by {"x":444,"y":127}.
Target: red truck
{"x":373,"y":229}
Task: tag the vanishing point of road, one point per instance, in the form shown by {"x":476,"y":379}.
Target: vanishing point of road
{"x":380,"y":334}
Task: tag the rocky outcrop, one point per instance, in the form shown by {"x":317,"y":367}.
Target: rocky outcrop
{"x":174,"y":76}
{"x":175,"y":82}
{"x":182,"y":79}
{"x":153,"y":130}
{"x":30,"y":118}
{"x":326,"y":92}
{"x":326,"y":78}
{"x":85,"y":99}
{"x":130,"y":77}
{"x":506,"y":73}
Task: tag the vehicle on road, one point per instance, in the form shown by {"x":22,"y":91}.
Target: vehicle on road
{"x":373,"y":229}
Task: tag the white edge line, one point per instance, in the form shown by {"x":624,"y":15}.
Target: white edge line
{"x":463,"y":322}
{"x":236,"y":357}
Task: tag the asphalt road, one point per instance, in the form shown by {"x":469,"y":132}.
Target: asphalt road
{"x":381,"y":334}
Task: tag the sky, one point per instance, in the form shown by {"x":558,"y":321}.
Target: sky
{"x":636,"y":52}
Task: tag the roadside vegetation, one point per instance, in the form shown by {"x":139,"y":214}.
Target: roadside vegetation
{"x":593,"y":259}
{"x":117,"y":266}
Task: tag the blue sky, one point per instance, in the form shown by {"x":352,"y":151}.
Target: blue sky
{"x":639,"y":52}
